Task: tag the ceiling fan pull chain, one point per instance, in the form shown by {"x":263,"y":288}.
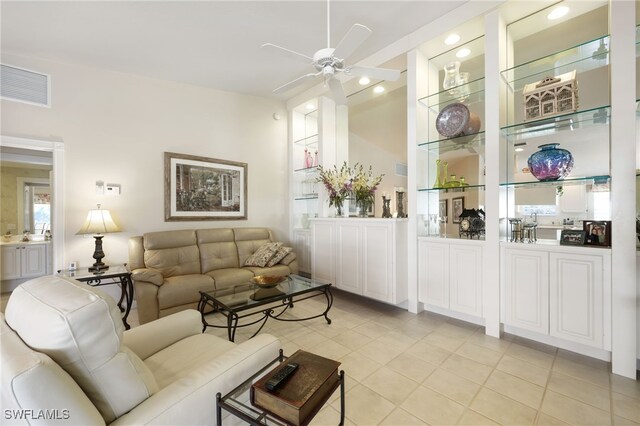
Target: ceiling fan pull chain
{"x":328,"y":26}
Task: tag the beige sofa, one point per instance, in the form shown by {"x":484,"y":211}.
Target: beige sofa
{"x":66,"y":359}
{"x":170,"y":268}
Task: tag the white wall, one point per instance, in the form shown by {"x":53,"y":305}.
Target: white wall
{"x":116,"y":127}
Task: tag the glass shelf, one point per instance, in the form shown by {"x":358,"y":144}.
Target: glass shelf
{"x":306,"y":197}
{"x":475,"y":89}
{"x":601,"y":179}
{"x":308,"y":141}
{"x":454,"y":188}
{"x":307,"y":170}
{"x":475,"y":140}
{"x":581,"y":119}
{"x":582,"y":58}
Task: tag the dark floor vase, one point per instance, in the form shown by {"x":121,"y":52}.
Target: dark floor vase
{"x":550,"y":163}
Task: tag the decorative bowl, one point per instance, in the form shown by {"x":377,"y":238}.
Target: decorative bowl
{"x":266,"y":281}
{"x":452,"y":120}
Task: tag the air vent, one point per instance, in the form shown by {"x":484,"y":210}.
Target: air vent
{"x":401,"y":169}
{"x":22,"y":85}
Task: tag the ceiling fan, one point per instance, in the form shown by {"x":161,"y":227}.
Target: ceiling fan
{"x":329,"y":61}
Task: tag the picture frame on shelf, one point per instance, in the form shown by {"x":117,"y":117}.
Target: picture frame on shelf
{"x":442,"y":208}
{"x":457,"y":207}
{"x":598,"y":232}
{"x":570,"y":237}
{"x":201,"y":188}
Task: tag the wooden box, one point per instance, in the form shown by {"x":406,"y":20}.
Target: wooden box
{"x":304,"y":392}
{"x":551,"y":96}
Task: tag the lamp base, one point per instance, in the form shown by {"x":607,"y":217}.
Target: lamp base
{"x":98,"y":268}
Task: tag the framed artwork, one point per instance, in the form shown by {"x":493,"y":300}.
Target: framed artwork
{"x":598,"y":232}
{"x":201,"y":188}
{"x":442,"y":208}
{"x":457,"y":206}
{"x":572,"y":237}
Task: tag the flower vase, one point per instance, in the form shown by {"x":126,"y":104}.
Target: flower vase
{"x":445,"y":173}
{"x":338,"y":206}
{"x":363,"y":210}
{"x":550,"y":163}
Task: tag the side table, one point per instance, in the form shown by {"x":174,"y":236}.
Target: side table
{"x":116,"y":274}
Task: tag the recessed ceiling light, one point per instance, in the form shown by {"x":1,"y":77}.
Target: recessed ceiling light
{"x":463,"y":53}
{"x":310,"y":107}
{"x":378,"y":89}
{"x":364,"y":80}
{"x":558,"y":13}
{"x":452,"y":39}
{"x":519,"y":149}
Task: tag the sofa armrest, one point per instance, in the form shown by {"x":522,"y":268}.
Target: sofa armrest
{"x":149,"y":275}
{"x":191,"y":399}
{"x":154,"y":336}
{"x":290,"y":257}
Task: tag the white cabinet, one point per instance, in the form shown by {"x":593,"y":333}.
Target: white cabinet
{"x":559,"y":293}
{"x":526,"y":289}
{"x":302,"y":247}
{"x":24,"y":261}
{"x":362,"y":256}
{"x":450,"y":276}
{"x":573,"y":199}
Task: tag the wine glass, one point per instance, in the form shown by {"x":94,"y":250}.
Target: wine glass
{"x":443,"y":220}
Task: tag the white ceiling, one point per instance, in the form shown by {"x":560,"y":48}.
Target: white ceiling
{"x":213,"y":44}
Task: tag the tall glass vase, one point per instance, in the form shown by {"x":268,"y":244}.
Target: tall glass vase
{"x":438,"y":182}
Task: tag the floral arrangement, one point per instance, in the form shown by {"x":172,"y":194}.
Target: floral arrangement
{"x":364,"y":187}
{"x":338,"y":184}
{"x":346,"y":182}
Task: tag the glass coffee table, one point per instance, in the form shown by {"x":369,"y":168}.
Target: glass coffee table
{"x":257,"y":303}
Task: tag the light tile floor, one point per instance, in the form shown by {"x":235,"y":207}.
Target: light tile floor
{"x":406,"y":369}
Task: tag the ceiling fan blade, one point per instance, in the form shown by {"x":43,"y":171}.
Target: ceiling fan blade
{"x":291,"y":53}
{"x":373,"y":73}
{"x":337,"y":92}
{"x":294,"y":83}
{"x":350,"y":42}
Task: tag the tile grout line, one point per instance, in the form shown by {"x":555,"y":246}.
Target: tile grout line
{"x":546,"y":385}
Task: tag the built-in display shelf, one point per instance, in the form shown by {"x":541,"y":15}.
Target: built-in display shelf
{"x":309,"y":141}
{"x":441,"y":146}
{"x":473,"y":93}
{"x":454,"y":188}
{"x":599,"y":116}
{"x":601,"y":179}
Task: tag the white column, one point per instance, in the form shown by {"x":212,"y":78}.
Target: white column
{"x":623,"y":188}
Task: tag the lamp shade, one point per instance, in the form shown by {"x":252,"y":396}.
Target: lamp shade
{"x":98,"y":222}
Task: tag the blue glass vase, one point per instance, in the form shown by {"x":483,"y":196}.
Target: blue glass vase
{"x":550,"y":163}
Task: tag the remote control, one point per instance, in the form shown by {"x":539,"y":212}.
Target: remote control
{"x":281,"y":376}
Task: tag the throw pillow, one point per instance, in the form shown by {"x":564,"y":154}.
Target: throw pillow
{"x":261,"y":256}
{"x":281,"y":253}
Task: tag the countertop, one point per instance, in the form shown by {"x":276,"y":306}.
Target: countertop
{"x":19,"y":242}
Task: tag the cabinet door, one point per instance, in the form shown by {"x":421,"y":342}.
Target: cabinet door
{"x":378,"y":277}
{"x":573,"y":199}
{"x":576,"y":298}
{"x":465,"y":279}
{"x":10,"y":262}
{"x":323,"y":253}
{"x":34,"y":261}
{"x":302,"y":247}
{"x":527,"y":289}
{"x":349,"y":257}
{"x":436,"y":274}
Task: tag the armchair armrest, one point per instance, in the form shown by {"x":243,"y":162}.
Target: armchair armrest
{"x":191,"y":399}
{"x":149,"y":275}
{"x":154,"y":336}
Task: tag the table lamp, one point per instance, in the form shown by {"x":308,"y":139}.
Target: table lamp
{"x":98,"y":222}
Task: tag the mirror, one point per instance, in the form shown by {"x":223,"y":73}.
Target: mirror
{"x":378,"y":133}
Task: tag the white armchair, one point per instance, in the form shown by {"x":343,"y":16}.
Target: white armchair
{"x":66,"y":359}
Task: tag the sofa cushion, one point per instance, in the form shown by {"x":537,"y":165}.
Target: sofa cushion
{"x":83,"y":336}
{"x":32,"y":381}
{"x":183,"y":289}
{"x":275,"y":270}
{"x":185,"y":356}
{"x":262,"y":256}
{"x":172,"y":252}
{"x":280,"y":254}
{"x":248,"y":240}
{"x":229,"y":277}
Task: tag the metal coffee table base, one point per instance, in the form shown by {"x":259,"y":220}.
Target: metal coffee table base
{"x":271,"y":309}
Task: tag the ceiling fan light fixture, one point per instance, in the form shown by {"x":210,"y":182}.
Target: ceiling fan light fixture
{"x":364,"y":81}
{"x":452,"y":38}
